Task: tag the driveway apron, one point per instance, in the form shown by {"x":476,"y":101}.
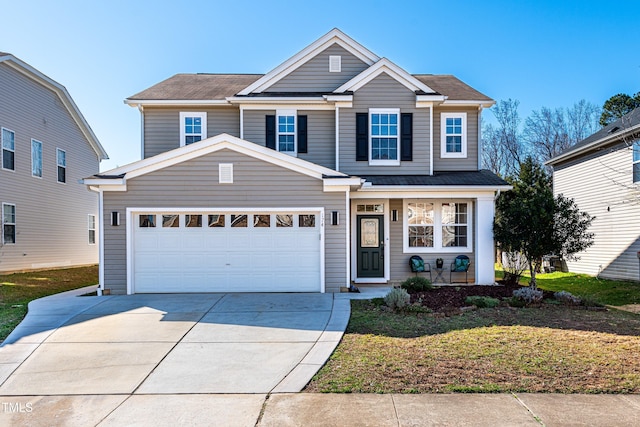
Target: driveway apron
{"x":175,"y":343}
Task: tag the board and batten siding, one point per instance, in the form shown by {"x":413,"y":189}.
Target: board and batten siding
{"x":162,"y":126}
{"x":51,"y":217}
{"x":470,"y":163}
{"x":399,"y":263}
{"x":321,"y":148}
{"x":384,"y":92}
{"x":314,"y":75}
{"x":194,"y":183}
{"x":601,"y":184}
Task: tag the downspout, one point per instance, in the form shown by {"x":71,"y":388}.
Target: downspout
{"x":338,"y":139}
{"x":431,"y":139}
{"x":479,"y":137}
{"x":141,"y":109}
{"x":347,"y":221}
{"x":100,"y":242}
{"x":241,"y":122}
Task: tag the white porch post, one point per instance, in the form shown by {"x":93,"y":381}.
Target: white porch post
{"x":485,"y":252}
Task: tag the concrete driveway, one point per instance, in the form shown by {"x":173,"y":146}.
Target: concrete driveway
{"x":171,"y":344}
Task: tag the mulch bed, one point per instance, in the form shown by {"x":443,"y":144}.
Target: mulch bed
{"x":447,"y":297}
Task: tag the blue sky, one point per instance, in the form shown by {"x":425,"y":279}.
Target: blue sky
{"x":543,"y":53}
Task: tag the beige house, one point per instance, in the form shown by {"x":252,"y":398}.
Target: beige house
{"x":332,"y":169}
{"x":48,"y":216}
{"x":602,"y":174}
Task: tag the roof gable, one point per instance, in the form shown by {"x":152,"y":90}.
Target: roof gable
{"x":334,"y":36}
{"x":211,"y":145}
{"x":389,"y":68}
{"x":30,"y":72}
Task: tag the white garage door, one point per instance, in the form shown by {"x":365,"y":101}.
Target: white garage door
{"x":214,"y":251}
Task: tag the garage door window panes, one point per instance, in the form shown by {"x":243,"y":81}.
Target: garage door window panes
{"x":193,"y":221}
{"x":261,"y":221}
{"x":147,"y":221}
{"x":284,"y":220}
{"x":170,"y":221}
{"x":306,"y":221}
{"x":238,"y":221}
{"x":216,"y":221}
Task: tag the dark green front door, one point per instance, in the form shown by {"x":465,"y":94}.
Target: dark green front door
{"x":370,"y":245}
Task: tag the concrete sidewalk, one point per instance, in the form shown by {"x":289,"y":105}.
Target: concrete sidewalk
{"x":302,"y":409}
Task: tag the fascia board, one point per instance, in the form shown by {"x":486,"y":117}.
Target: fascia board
{"x":602,"y":141}
{"x":384,"y":65}
{"x":32,"y":73}
{"x":174,"y":102}
{"x":438,"y":188}
{"x":469,"y":103}
{"x":333,"y":36}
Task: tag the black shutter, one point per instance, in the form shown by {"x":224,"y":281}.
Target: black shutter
{"x":270,"y":131}
{"x":362,"y":136}
{"x":406,"y":136}
{"x":302,"y":134}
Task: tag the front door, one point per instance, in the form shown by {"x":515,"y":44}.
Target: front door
{"x":370,"y":245}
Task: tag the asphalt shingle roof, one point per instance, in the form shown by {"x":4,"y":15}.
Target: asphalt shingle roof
{"x":464,"y":178}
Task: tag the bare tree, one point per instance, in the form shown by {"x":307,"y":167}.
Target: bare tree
{"x":582,"y":120}
{"x":503,"y":142}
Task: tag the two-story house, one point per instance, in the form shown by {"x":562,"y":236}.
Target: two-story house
{"x":48,"y":217}
{"x":602,"y":174}
{"x":333,"y":168}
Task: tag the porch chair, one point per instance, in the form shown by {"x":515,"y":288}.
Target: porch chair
{"x":418,"y":265}
{"x":460,"y":265}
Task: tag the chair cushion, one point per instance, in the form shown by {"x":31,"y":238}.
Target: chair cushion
{"x":462,"y":264}
{"x":417,"y":265}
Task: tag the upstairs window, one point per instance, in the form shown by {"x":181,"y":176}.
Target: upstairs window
{"x":286,"y":131}
{"x":383,"y":136}
{"x":193,"y":127}
{"x":36,"y":158}
{"x":8,"y":149}
{"x":636,"y":161}
{"x":8,"y":224}
{"x":61,"y":159}
{"x":453,"y":135}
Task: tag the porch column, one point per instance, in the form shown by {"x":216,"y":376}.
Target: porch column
{"x":485,"y":252}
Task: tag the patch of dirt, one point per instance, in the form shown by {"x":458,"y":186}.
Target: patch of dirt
{"x":448,"y":297}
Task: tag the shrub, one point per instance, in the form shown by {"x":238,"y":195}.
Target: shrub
{"x":528,"y":295}
{"x":482,"y":302}
{"x":416,"y":308}
{"x":416,"y":284}
{"x":515,"y":302}
{"x":589,"y":301}
{"x":397,"y":298}
{"x":567,"y":298}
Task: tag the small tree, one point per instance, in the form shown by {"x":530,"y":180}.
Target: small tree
{"x":530,"y":221}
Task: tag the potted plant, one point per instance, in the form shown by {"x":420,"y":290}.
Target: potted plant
{"x":439,"y":263}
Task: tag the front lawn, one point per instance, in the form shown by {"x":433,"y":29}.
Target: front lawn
{"x":17,"y":290}
{"x":547,"y":349}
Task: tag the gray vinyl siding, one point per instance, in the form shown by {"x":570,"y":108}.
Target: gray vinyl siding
{"x":162,"y":126}
{"x":193,"y":184}
{"x":470,"y":163}
{"x":399,"y":263}
{"x":51,"y":218}
{"x":601,"y":184}
{"x":320,"y":134}
{"x":314,"y":75}
{"x":384,"y":92}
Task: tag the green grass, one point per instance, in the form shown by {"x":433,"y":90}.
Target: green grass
{"x":611,"y":292}
{"x":17,"y":290}
{"x":546,"y":349}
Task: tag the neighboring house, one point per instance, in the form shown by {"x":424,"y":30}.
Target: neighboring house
{"x":602,"y":174}
{"x":332,"y":169}
{"x":48,"y":216}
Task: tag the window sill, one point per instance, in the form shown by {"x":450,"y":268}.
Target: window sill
{"x":384,"y":162}
{"x":453,"y":155}
{"x":419,"y":250}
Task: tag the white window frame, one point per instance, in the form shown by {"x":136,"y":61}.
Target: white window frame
{"x":635,"y":148}
{"x":58,"y":165}
{"x":281,"y":113}
{"x":91,"y":226}
{"x":385,"y":162}
{"x":183,"y":134}
{"x":33,"y":144}
{"x":443,"y":136}
{"x":437,"y":227}
{"x":11,"y":150}
{"x":15,"y":229}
